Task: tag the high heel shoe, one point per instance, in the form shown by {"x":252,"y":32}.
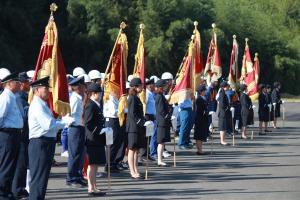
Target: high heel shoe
{"x":244,"y":137}
{"x":161,"y":164}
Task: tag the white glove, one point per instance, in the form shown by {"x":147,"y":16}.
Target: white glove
{"x":67,"y":120}
{"x":211,"y":112}
{"x":232,"y":109}
{"x":282,"y":101}
{"x":274,"y":104}
{"x":106,"y":130}
{"x":173,"y":117}
{"x":270,"y":107}
{"x":211,"y":127}
{"x":147,"y":123}
{"x":253,"y":106}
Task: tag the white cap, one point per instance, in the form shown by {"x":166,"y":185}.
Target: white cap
{"x":86,"y":78}
{"x":78,"y":71}
{"x":30,"y":73}
{"x":167,"y":76}
{"x":95,"y":74}
{"x":130,"y":77}
{"x":4,"y":73}
{"x":155,"y":78}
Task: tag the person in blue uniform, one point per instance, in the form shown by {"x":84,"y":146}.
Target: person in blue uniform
{"x":270,"y":105}
{"x":246,"y":111}
{"x":210,"y":95}
{"x":135,"y":127}
{"x":201,"y":131}
{"x":151,"y":115}
{"x":19,"y":182}
{"x":163,"y":119}
{"x":76,"y":135}
{"x":263,"y":109}
{"x":11,"y":124}
{"x":276,"y":100}
{"x":43,"y":128}
{"x":224,"y":112}
{"x":95,"y":142}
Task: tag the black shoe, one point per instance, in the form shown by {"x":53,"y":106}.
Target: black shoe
{"x":77,"y":184}
{"x":224,"y":144}
{"x":23,"y":194}
{"x":96,"y":194}
{"x":268,"y":131}
{"x":201,"y":154}
{"x":261,"y":133}
{"x":123,"y":166}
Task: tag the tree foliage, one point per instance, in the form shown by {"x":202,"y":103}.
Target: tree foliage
{"x":88,"y":29}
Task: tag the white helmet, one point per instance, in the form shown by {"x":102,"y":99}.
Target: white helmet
{"x":78,"y":71}
{"x":4,"y":73}
{"x":130,"y":77}
{"x":167,"y":76}
{"x":30,"y":73}
{"x":95,"y":74}
{"x":155,"y":78}
{"x":86,"y":78}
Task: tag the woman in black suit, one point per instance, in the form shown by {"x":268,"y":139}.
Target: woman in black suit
{"x":95,"y":143}
{"x":224,"y":112}
{"x":276,"y":100}
{"x":246,"y":111}
{"x":163,"y":119}
{"x":263,"y":109}
{"x":201,"y":129}
{"x":135,"y":126}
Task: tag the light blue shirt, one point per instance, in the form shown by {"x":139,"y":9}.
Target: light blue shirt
{"x":76,"y":108}
{"x":150,"y":103}
{"x":187,"y":103}
{"x":41,"y":121}
{"x":110,"y":108}
{"x":11,"y":111}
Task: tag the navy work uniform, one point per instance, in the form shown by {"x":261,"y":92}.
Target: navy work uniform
{"x":19,"y":182}
{"x":110,"y":112}
{"x":43,"y":128}
{"x":76,"y":138}
{"x":11,"y":123}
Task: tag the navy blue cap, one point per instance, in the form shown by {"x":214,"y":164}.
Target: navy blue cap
{"x":224,"y":84}
{"x":23,"y":77}
{"x":12,"y":77}
{"x":135,"y":82}
{"x":41,"y":82}
{"x":149,"y":82}
{"x":94,"y":87}
{"x":243,"y":87}
{"x":161,"y":83}
{"x":77,"y":81}
{"x":201,"y":88}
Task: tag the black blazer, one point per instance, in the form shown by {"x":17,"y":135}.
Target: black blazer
{"x":223,"y":104}
{"x":163,"y":116}
{"x":135,"y":115}
{"x":201,"y":114}
{"x":93,"y":122}
{"x":276,"y":97}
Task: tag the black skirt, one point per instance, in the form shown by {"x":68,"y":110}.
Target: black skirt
{"x":163,"y":134}
{"x":96,"y":155}
{"x":277,"y":110}
{"x":137,"y":140}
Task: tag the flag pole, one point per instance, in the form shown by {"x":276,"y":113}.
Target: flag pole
{"x":122,"y":26}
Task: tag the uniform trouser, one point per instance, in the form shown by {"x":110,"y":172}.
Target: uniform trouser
{"x":153,"y":142}
{"x":9,"y":150}
{"x":19,"y":182}
{"x":185,"y":126}
{"x":41,"y":152}
{"x":76,"y":144}
{"x":116,"y":149}
{"x":64,"y":140}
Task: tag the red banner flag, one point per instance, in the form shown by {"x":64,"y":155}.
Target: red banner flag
{"x":198,"y":60}
{"x":50,"y":63}
{"x":249,"y":76}
{"x":213,"y":67}
{"x":184,"y":82}
{"x":139,"y":67}
{"x":115,"y":84}
{"x":233,"y":67}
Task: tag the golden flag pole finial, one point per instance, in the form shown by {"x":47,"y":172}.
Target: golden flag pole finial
{"x":142,"y":26}
{"x":234,"y":37}
{"x":213,"y":25}
{"x":53,"y":8}
{"x":246,"y":40}
{"x":196,"y":24}
{"x":123,"y":25}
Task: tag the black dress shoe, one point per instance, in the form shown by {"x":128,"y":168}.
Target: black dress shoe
{"x":201,"y":153}
{"x":22,"y":195}
{"x":96,"y":194}
{"x":261,"y":133}
{"x":268,"y":131}
{"x":77,"y":184}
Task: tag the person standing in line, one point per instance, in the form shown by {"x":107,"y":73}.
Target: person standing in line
{"x":263,"y":109}
{"x":276,"y":100}
{"x":247,"y":110}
